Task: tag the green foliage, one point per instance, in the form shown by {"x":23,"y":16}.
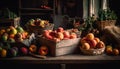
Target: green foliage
{"x":106,"y":14}
{"x":89,"y":23}
{"x":6,"y":13}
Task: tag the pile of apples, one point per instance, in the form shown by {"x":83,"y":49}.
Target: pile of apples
{"x":110,"y":50}
{"x":40,"y":50}
{"x":23,"y":51}
{"x":8,"y":52}
{"x":59,"y":34}
{"x":91,"y":42}
{"x":10,"y":35}
{"x":13,"y":34}
{"x":38,"y":22}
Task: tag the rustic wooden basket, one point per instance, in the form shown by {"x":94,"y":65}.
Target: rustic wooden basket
{"x":63,"y":47}
{"x":39,"y":30}
{"x":93,"y":51}
{"x":102,"y":24}
{"x":25,"y":42}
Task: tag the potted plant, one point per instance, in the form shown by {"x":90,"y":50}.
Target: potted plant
{"x":106,"y":17}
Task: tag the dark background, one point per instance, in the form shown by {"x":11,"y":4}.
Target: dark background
{"x":76,"y":10}
{"x":115,"y":5}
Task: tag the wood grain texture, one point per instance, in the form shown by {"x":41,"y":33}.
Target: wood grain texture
{"x":67,"y":59}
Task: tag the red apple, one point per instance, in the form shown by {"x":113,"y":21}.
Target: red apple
{"x":53,"y":33}
{"x":66,"y":34}
{"x":60,"y":29}
{"x":73,"y":35}
{"x":83,"y":40}
{"x":45,"y":32}
{"x":100,"y":44}
{"x":92,"y":43}
{"x":11,"y":35}
{"x":60,"y":35}
{"x":115,"y":51}
{"x":23,"y":36}
{"x":47,"y":35}
{"x":24,"y":50}
{"x":43,"y":50}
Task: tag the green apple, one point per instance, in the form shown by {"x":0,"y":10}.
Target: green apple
{"x":20,"y":29}
{"x":11,"y":40}
{"x":4,"y":38}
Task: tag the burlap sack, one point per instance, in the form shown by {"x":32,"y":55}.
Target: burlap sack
{"x":111,"y":35}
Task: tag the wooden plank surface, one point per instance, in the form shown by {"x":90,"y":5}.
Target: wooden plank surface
{"x":67,"y":59}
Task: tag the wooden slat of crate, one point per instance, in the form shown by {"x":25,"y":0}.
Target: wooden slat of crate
{"x":63,"y":47}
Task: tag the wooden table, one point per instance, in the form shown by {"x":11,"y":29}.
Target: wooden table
{"x":63,"y":60}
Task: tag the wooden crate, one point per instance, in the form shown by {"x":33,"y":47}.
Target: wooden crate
{"x":10,"y":22}
{"x":63,"y":47}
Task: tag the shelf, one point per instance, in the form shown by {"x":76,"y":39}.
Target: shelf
{"x":33,"y":13}
{"x":39,"y":9}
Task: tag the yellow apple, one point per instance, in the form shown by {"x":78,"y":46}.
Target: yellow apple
{"x":108,"y":51}
{"x":43,"y":50}
{"x":60,"y":35}
{"x":3,"y":53}
{"x":90,"y":36}
{"x":86,"y":46}
{"x":33,"y":48}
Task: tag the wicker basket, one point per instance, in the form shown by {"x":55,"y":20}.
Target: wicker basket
{"x":93,"y":51}
{"x":39,"y":30}
{"x":102,"y":24}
